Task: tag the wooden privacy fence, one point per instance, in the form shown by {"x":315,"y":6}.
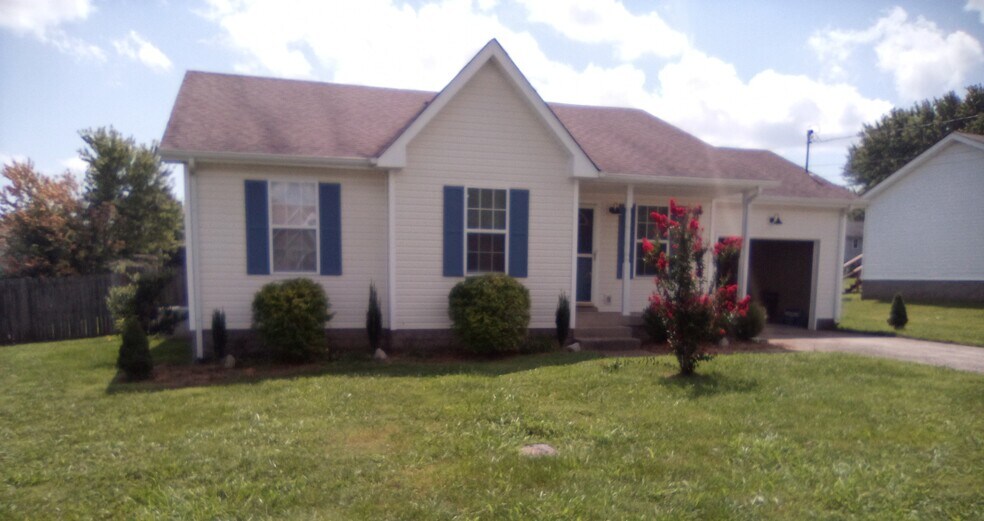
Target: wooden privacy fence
{"x":36,"y":310}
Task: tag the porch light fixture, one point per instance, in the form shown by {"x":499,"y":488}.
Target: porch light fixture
{"x":775,"y":219}
{"x":616,"y":208}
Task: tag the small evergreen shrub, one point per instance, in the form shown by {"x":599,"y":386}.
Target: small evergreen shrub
{"x":220,"y":336}
{"x":134,"y":357}
{"x":563,"y":319}
{"x":750,"y":324}
{"x":374,"y":319}
{"x":141,"y":298}
{"x":290,"y":317}
{"x":654,"y":325}
{"x":490,"y":313}
{"x":897,"y":316}
{"x":120,"y":304}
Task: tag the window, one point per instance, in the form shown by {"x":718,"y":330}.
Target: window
{"x":857,"y":243}
{"x":647,"y":228}
{"x":294,"y":226}
{"x":486,"y":230}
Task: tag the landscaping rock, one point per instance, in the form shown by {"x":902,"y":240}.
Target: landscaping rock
{"x":538,"y":450}
{"x":573,"y":348}
{"x":229,"y":361}
{"x":724,"y":342}
{"x":379,"y":355}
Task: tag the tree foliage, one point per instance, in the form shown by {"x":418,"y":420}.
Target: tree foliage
{"x":39,"y":223}
{"x":130,"y":209}
{"x":903,"y":134}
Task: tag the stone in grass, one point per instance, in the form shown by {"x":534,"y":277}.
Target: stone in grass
{"x":229,"y":361}
{"x":379,"y":355}
{"x":538,"y":450}
{"x":573,"y":348}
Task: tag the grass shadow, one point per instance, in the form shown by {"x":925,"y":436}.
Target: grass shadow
{"x":179,"y":376}
{"x":702,"y":385}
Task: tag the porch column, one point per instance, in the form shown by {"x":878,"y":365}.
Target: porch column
{"x":746,"y":202}
{"x":627,"y":251}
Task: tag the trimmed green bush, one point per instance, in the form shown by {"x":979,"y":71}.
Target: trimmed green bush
{"x":134,"y":357}
{"x":563,"y":319}
{"x":897,"y":316}
{"x":290,"y":317}
{"x":141,"y":298}
{"x":374,"y":319}
{"x":220,"y":336}
{"x":490,"y":313}
{"x":654,"y":325}
{"x":749,"y":326}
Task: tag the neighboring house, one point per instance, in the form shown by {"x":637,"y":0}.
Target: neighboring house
{"x":854,"y":241}
{"x":415,"y":190}
{"x":924,"y":226}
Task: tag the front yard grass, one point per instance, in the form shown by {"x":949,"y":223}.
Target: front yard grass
{"x":756,"y":436}
{"x":944,"y":322}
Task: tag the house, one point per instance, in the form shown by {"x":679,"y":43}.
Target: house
{"x":854,"y":241}
{"x":925,"y":226}
{"x":415,"y":190}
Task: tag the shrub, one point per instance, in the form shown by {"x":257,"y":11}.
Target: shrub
{"x":290,"y":317}
{"x":654,"y":325}
{"x":897,"y":316}
{"x":120,"y":304}
{"x":563,"y":318}
{"x":141,"y":298}
{"x":490,"y":313}
{"x":751,"y":323}
{"x":220,"y":336}
{"x":374,"y":319}
{"x":134,"y":357}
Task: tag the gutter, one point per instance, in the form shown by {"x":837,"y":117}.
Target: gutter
{"x":183,"y":156}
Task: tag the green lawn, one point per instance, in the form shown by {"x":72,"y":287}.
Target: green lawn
{"x":758,"y":436}
{"x":958,"y":323}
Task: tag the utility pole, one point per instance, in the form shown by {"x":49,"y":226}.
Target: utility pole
{"x":809,"y":139}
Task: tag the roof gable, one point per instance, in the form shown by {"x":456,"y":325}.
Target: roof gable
{"x":395,"y":154}
{"x":971,"y":140}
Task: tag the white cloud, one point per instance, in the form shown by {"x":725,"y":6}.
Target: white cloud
{"x":378,"y":42}
{"x":137,"y":48}
{"x":6,"y":158}
{"x":976,"y":5}
{"x":609,"y":22}
{"x":923,"y":60}
{"x":75,"y":166}
{"x":43,"y":18}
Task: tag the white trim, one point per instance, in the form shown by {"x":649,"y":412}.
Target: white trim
{"x":839,"y":282}
{"x":746,"y":241}
{"x":814,"y":281}
{"x":572,"y":298}
{"x":391,"y":247}
{"x":918,"y":161}
{"x":698,"y":182}
{"x":629,"y":245}
{"x":180,"y":156}
{"x":193,"y":257}
{"x":505,"y":232}
{"x":395,"y":155}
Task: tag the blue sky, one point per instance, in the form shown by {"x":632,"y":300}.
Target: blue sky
{"x":747,"y":74}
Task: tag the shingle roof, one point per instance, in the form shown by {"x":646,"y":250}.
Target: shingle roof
{"x":244,"y":114}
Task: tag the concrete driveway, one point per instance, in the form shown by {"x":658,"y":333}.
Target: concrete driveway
{"x":963,"y":358}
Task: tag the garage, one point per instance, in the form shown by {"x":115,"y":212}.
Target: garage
{"x":780,"y":277}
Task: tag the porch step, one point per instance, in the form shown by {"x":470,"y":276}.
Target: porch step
{"x":603,"y":332}
{"x":609,"y":344}
{"x":605,"y":319}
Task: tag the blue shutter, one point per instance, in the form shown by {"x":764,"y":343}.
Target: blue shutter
{"x":330,"y":222}
{"x":621,"y":244}
{"x":257,"y":229}
{"x":632,"y":247}
{"x":519,"y":232}
{"x":454,"y":231}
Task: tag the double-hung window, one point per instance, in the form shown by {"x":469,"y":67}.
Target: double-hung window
{"x":647,"y":228}
{"x":486,"y":229}
{"x":294,"y":226}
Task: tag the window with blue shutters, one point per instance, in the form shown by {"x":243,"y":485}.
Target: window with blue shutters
{"x":486,"y":230}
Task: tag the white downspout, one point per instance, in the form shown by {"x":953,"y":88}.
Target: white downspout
{"x":839,"y":281}
{"x":746,"y":202}
{"x":192,"y":270}
{"x":573,"y":294}
{"x":628,"y":245}
{"x":391,"y":249}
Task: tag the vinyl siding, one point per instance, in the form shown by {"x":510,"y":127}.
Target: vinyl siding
{"x":486,"y":137}
{"x":928,"y":225}
{"x":224,"y":282}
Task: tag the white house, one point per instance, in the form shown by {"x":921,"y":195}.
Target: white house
{"x":414,"y":190}
{"x":924,"y":226}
